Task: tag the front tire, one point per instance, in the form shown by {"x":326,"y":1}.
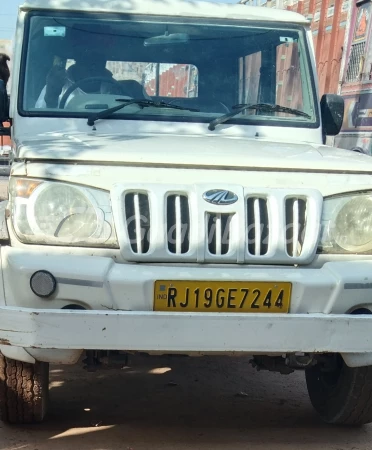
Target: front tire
{"x":341,"y":395}
{"x":24,"y":389}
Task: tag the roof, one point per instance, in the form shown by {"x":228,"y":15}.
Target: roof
{"x":180,"y":8}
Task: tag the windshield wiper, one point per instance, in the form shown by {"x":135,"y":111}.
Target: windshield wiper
{"x":140,"y":102}
{"x":258,"y":107}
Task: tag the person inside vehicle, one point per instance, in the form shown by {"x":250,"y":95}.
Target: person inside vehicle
{"x":58,"y":80}
{"x":87,"y":64}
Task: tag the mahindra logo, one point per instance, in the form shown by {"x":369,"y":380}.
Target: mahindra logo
{"x":220,"y":197}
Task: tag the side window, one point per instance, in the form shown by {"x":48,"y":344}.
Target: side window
{"x":126,"y":70}
{"x":159,"y":80}
{"x":171,"y":80}
{"x":285,"y":62}
{"x":249,"y":78}
{"x":289,"y":89}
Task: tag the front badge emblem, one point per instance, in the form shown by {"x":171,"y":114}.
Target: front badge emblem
{"x":220,"y":197}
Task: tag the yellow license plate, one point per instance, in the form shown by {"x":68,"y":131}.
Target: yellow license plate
{"x":222,"y":296}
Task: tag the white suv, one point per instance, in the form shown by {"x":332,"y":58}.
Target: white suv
{"x":171,"y":193}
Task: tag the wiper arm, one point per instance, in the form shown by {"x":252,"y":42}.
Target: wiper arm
{"x":140,"y":102}
{"x":259,"y":107}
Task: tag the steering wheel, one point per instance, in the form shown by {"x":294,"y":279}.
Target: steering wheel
{"x":79,"y":83}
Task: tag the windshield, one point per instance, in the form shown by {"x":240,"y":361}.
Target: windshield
{"x":76,"y":66}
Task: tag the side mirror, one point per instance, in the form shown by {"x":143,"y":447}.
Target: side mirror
{"x":4,"y":109}
{"x":332,"y":110}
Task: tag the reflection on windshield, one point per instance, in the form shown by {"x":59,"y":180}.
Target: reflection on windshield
{"x":81,"y":66}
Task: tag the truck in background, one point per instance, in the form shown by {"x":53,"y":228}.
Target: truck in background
{"x":356,"y":81}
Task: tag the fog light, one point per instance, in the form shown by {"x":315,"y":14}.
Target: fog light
{"x":43,"y":283}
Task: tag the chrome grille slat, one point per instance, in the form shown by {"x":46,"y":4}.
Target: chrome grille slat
{"x":302,"y":208}
{"x":218,"y":232}
{"x":178,"y":224}
{"x":295,"y":227}
{"x":296,"y":210}
{"x":258,"y":226}
{"x":137,"y":214}
{"x":218,"y":235}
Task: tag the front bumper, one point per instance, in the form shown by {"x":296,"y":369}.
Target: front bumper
{"x":185,"y":332}
{"x":119,"y":315}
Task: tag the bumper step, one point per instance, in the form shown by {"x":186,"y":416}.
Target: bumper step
{"x":185,"y":332}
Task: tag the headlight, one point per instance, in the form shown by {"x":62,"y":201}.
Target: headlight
{"x":347,"y":224}
{"x":56,"y":213}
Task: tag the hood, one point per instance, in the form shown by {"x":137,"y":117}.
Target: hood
{"x":192,"y":151}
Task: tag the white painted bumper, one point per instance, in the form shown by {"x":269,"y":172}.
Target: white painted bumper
{"x":188,"y":332}
{"x":119,"y":302}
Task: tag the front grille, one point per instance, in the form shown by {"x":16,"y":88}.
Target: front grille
{"x":258,"y":226}
{"x":158,"y":223}
{"x":138,"y":220}
{"x":295,"y":215}
{"x":178,"y":224}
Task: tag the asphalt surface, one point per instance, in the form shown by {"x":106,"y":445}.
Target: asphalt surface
{"x":3,"y":186}
{"x":181,"y":403}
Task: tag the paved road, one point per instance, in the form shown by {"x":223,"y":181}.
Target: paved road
{"x":3,"y":187}
{"x":181,"y":403}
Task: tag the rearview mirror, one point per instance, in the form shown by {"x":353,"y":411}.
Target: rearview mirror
{"x":167,"y":39}
{"x":332,"y":110}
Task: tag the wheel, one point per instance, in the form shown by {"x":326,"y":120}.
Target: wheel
{"x":340,"y":394}
{"x":23,"y":391}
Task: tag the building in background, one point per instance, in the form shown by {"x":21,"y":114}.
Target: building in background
{"x":329,"y":24}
